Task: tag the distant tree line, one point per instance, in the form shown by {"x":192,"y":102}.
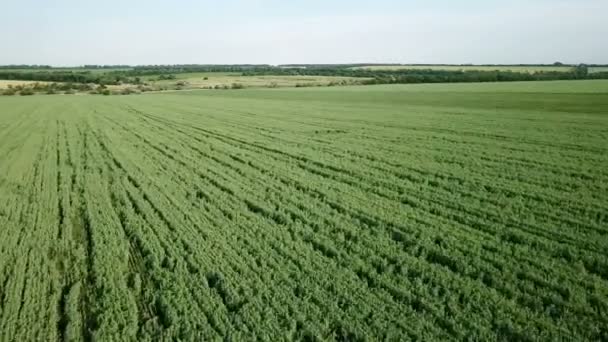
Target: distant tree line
{"x":48,"y":88}
{"x":432,"y":75}
{"x":186,"y":68}
{"x":417,"y":65}
{"x":73,"y":88}
{"x":69,"y":77}
{"x":89,"y":66}
{"x":133,"y":75}
{"x":117,"y":66}
{"x":19,"y":66}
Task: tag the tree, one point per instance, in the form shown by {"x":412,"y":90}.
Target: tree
{"x":581,"y":71}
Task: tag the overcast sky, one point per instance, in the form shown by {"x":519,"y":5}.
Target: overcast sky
{"x":77,"y":32}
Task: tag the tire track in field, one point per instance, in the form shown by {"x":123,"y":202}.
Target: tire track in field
{"x":121,"y":202}
{"x":386,"y":149}
{"x":244,"y":145}
{"x":62,"y":309}
{"x":82,"y":234}
{"x":150,"y":280}
{"x":221,"y":188}
{"x":393,"y":291}
{"x":461,"y":181}
{"x":498,"y":137}
{"x":17,"y":244}
{"x":423,"y":222}
{"x":359,"y":180}
{"x":17,"y":283}
{"x":362,"y":122}
{"x":485,"y":171}
{"x":250,"y":206}
{"x":397,"y":295}
{"x":61,"y":211}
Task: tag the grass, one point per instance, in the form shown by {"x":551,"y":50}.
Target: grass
{"x":597,"y":69}
{"x":514,"y":68}
{"x":429,"y":212}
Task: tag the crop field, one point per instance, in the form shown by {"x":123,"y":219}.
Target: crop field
{"x":513,"y":68}
{"x":597,"y":69}
{"x":402,"y":212}
{"x":219,"y":79}
{"x":6,"y":83}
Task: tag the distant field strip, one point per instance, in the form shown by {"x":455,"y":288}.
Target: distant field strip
{"x":598,"y":69}
{"x":513,"y":68}
{"x":306,"y":214}
{"x":5,"y":83}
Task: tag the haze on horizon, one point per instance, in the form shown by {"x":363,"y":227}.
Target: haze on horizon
{"x":70,"y":32}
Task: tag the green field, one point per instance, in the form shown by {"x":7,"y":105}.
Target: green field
{"x":408,"y":212}
{"x":513,"y":68}
{"x":597,"y":69}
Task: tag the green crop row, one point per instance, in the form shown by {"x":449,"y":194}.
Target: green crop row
{"x":309,"y":214}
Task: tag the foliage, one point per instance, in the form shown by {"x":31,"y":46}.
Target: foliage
{"x":237,"y":86}
{"x":432,"y":75}
{"x":83,"y":77}
{"x":166,"y":77}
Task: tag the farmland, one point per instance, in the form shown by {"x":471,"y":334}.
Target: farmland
{"x":6,"y":84}
{"x":392,"y":212}
{"x":512,"y":68}
{"x":219,"y":79}
{"x":593,"y":70}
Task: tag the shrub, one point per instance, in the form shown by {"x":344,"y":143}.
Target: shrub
{"x":144,"y":89}
{"x":166,"y":77}
{"x":26,"y":92}
{"x":237,"y":86}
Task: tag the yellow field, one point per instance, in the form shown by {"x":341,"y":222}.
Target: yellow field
{"x":199,"y":81}
{"x":4,"y":83}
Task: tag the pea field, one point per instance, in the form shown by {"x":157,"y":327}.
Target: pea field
{"x":364,"y":213}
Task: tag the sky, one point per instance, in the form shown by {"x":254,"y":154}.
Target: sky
{"x":141,"y":32}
